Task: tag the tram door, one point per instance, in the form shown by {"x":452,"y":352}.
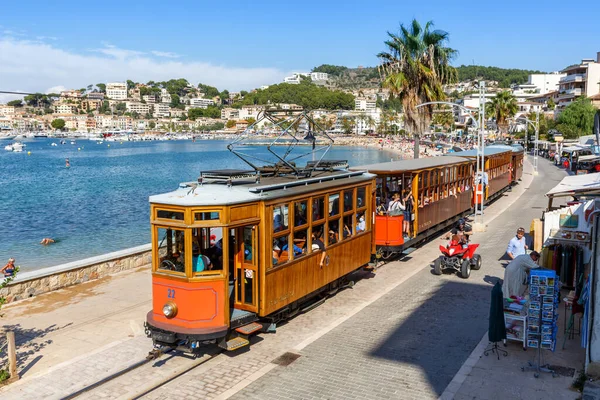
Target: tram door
{"x":246,"y":268}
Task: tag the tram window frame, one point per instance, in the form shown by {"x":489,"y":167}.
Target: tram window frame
{"x":212,"y":216}
{"x":205,"y":249}
{"x":333,"y":220}
{"x":306,"y":213}
{"x":348,"y":195}
{"x":313,"y":229}
{"x":364,"y":210}
{"x":362,"y":197}
{"x":320,"y":200}
{"x":285,"y":227}
{"x":179,"y":247}
{"x":348,"y":234}
{"x":297,"y":231}
{"x":170,"y":211}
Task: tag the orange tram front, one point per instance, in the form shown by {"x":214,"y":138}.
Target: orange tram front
{"x":236,"y":252}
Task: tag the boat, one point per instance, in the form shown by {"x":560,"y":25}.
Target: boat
{"x":53,"y":144}
{"x":16,"y":147}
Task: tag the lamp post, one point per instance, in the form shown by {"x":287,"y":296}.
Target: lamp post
{"x":480,"y":166}
{"x":536,"y":126}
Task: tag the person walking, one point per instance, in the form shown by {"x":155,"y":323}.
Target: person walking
{"x":517,"y":245}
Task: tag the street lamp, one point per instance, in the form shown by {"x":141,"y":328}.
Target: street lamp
{"x":536,"y":126}
{"x":480,"y":166}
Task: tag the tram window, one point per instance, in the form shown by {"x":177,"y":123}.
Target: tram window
{"x":300,"y":243}
{"x":333,"y":229}
{"x":280,"y":249}
{"x":280,"y":218}
{"x":361,"y":197}
{"x":168,"y":214}
{"x":300,"y":213}
{"x":206,"y":216}
{"x":248,"y":248}
{"x":318,"y":208}
{"x":348,"y":200}
{"x":348,"y":230}
{"x":170,"y":246}
{"x":317,"y":232}
{"x":207,"y":250}
{"x":334,"y":204}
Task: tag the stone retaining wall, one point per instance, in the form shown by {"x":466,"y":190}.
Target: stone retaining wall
{"x":32,"y":283}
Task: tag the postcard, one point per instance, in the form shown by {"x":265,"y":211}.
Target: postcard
{"x":542,"y":290}
{"x":548,"y":307}
{"x":532,"y":343}
{"x":535,"y":280}
{"x":543,"y":281}
{"x":534,"y":306}
{"x":534,"y":290}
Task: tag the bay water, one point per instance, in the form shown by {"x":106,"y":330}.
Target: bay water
{"x":100,"y":203}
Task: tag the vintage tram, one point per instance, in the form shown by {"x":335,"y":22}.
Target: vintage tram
{"x":238,"y":251}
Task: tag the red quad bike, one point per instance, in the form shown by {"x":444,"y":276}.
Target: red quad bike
{"x":457,"y":258}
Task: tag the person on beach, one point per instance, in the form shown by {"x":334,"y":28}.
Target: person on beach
{"x":9,"y":268}
{"x":67,"y":163}
{"x":47,"y":241}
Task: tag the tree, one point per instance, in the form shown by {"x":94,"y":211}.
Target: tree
{"x":152,"y":125}
{"x":37,"y":100}
{"x":577,"y":119}
{"x":105,"y":107}
{"x":348,"y":125}
{"x":176,"y":102}
{"x":250,"y":120}
{"x":335,"y":70}
{"x":121,"y":108}
{"x":101,"y":87}
{"x":414,"y":69}
{"x":15,"y":103}
{"x":209,"y":91}
{"x":58,"y":123}
{"x":231,"y":123}
{"x":551,"y":104}
{"x":243,"y":93}
{"x":503,"y":106}
{"x":130,"y":84}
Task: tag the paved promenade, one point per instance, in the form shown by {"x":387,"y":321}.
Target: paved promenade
{"x":401,"y":333}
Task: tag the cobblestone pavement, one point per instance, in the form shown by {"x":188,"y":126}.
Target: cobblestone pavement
{"x":402,"y":334}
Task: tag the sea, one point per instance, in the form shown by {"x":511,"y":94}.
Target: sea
{"x":100,"y":203}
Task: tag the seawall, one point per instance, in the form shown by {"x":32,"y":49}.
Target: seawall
{"x":31,"y":283}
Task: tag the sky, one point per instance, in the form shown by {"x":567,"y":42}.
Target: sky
{"x":46,"y":46}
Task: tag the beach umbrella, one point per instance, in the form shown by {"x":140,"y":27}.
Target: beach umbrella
{"x":597,"y":130}
{"x":497,"y":328}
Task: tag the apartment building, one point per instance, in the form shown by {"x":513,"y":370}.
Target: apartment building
{"x":201,"y":103}
{"x":7,"y":110}
{"x":161,"y":110}
{"x":72,"y":94}
{"x":138,"y":107}
{"x":230,"y":113}
{"x":91,"y":105}
{"x":65,"y":109}
{"x":364,"y":104}
{"x":95,"y":96}
{"x":116,"y":90}
{"x":581,"y":80}
{"x":296,"y":77}
{"x":149,"y":98}
{"x":546,"y":83}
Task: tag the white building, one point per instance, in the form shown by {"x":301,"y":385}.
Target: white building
{"x":201,"y":103}
{"x":296,"y":77}
{"x":116,"y":91}
{"x":138,"y":107}
{"x":319,"y":76}
{"x":364,"y":104}
{"x":149,"y":98}
{"x":580,"y":80}
{"x":161,"y":110}
{"x":546,"y":83}
{"x":165,"y":97}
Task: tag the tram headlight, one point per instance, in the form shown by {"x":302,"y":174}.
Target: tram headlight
{"x":169,"y":310}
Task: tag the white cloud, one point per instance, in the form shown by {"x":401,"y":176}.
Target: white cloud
{"x":34,"y":66}
{"x":166,"y":54}
{"x":42,"y":38}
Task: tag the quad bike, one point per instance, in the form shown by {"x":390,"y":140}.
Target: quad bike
{"x":457,"y":257}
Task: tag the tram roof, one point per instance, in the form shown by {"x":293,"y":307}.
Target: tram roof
{"x":488,"y":151}
{"x":269,"y":188}
{"x":410,"y":165}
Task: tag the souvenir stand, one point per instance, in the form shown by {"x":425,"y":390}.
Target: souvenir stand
{"x":515,"y":319}
{"x":542,"y":321}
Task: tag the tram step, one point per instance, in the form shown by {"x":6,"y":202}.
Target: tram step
{"x":235,"y":343}
{"x":249,"y":329}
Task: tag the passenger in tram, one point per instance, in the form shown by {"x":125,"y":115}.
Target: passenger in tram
{"x":277,"y":223}
{"x":333,"y":237}
{"x":348,"y":232}
{"x":396,"y":206}
{"x":276,"y":252}
{"x":317,"y":244}
{"x":361,"y":224}
{"x":200,"y":262}
{"x":409,"y":202}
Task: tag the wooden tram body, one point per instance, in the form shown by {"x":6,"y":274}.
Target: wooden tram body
{"x":258,"y":237}
{"x":517,"y":158}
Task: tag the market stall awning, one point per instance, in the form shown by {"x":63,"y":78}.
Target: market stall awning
{"x":577,"y":185}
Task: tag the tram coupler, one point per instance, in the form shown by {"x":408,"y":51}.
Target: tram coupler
{"x":154,"y":354}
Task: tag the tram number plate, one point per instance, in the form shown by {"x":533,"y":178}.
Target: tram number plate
{"x":163,"y":337}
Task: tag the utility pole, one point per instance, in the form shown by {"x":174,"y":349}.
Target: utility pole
{"x":479,"y":186}
{"x":537,"y":133}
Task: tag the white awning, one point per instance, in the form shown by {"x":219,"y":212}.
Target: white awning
{"x":576,"y":184}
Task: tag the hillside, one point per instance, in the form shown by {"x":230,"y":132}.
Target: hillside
{"x":345,"y":78}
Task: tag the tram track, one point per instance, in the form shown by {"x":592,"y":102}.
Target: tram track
{"x":168,"y":376}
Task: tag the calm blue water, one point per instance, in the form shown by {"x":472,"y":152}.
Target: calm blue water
{"x":100,"y":204}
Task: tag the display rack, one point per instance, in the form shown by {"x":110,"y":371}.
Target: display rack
{"x":516,"y":328}
{"x":542,"y":318}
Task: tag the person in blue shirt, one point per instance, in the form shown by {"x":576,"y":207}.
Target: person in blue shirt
{"x":517,"y":245}
{"x":199,"y":262}
{"x":297,"y":250}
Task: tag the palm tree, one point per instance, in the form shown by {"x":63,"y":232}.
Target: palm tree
{"x":415,"y":68}
{"x":502,"y":106}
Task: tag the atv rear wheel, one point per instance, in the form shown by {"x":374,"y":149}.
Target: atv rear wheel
{"x":437,"y":266}
{"x":476,"y":262}
{"x":465,"y":269}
